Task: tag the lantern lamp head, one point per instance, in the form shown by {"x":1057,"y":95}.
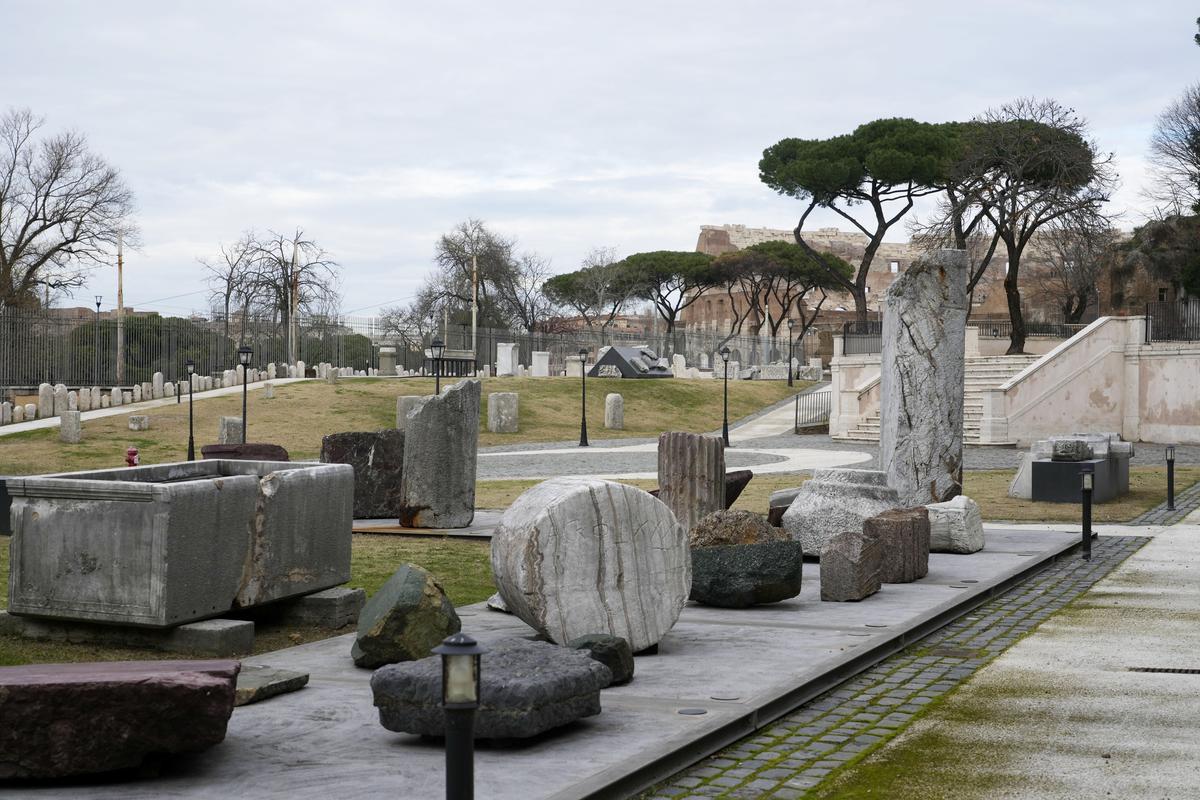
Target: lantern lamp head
{"x":583,"y":354}
{"x":725,"y":354}
{"x":1087,"y":476}
{"x":190,"y":366}
{"x":791,"y":323}
{"x":437,"y":347}
{"x":1170,"y":452}
{"x":245,"y":353}
{"x":460,"y":669}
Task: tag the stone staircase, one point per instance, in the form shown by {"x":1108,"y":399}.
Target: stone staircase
{"x":984,"y":372}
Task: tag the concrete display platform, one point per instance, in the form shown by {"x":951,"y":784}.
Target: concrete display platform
{"x":740,"y":668}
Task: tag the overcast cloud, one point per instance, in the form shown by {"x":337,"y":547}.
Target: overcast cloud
{"x":378,"y":126}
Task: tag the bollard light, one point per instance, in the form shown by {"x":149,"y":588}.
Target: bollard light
{"x":1086,"y":484}
{"x":436,"y":348}
{"x":583,"y":439}
{"x":1170,"y":477}
{"x":791,"y":344}
{"x":245,"y":353}
{"x":460,"y":699}
{"x":189,"y":367}
{"x":725,"y":420}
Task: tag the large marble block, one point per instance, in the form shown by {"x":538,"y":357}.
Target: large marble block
{"x":691,"y":475}
{"x":507,"y":356}
{"x":614,"y":411}
{"x":172,"y":543}
{"x":70,"y":427}
{"x":955,"y":526}
{"x":378,"y":460}
{"x":834,"y":501}
{"x":921,"y":379}
{"x":541,"y":364}
{"x":441,"y":443}
{"x":576,"y":556}
{"x":903,"y":535}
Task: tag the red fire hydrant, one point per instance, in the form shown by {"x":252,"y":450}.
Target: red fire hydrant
{"x":131,"y":457}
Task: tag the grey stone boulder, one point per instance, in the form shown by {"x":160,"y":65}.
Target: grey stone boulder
{"x":611,"y":651}
{"x":404,"y":620}
{"x":378,"y":461}
{"x":503,"y":412}
{"x":526,"y":688}
{"x":496,"y":603}
{"x":903,"y":535}
{"x":850,"y":567}
{"x":722,"y":528}
{"x":778,"y":505}
{"x":139,"y":422}
{"x":834,"y":501}
{"x":744,"y":575}
{"x":441,"y":444}
{"x":955,"y":526}
{"x":1070,"y":450}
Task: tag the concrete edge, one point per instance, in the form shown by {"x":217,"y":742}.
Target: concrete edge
{"x":622,"y":781}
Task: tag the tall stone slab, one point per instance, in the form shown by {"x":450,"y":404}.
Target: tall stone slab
{"x":614,"y":412}
{"x":117,"y":396}
{"x":503,"y":412}
{"x":579,"y":556}
{"x":691,"y":475}
{"x":507,"y":354}
{"x":834,"y":501}
{"x":70,"y":427}
{"x":84,"y":400}
{"x":437,"y":489}
{"x":45,"y":401}
{"x":903,"y":535}
{"x":5,"y":413}
{"x":156,"y":385}
{"x":921,"y":379}
{"x":96,"y":393}
{"x":541,"y":364}
{"x":230,"y":430}
{"x":61,"y":403}
{"x":404,"y":404}
{"x":377,"y":458}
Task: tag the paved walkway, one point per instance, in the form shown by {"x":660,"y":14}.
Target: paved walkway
{"x":1186,"y":502}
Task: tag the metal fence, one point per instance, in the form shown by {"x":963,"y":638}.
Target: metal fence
{"x":862,"y":338}
{"x":1002,"y":329}
{"x":1173,"y":322}
{"x":83,"y":350}
{"x":812,"y":410}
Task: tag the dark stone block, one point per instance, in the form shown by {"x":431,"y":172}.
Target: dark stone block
{"x":743,"y":575}
{"x":780,"y":501}
{"x":81,"y":719}
{"x":409,"y":616}
{"x":250,"y":451}
{"x":735,"y":482}
{"x":903,"y":535}
{"x":613,"y":652}
{"x":722,"y":528}
{"x":1059,"y":481}
{"x":378,"y":461}
{"x":850,"y":566}
{"x":526,"y":688}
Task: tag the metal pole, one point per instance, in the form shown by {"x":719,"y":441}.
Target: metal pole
{"x":1087,"y":524}
{"x":460,"y":753}
{"x":245,"y":370}
{"x":97,"y":341}
{"x":791,"y":345}
{"x":437,"y":376}
{"x":725,"y":422}
{"x":583,"y":438}
{"x":474,"y":307}
{"x":191,"y":424}
{"x":120,"y":310}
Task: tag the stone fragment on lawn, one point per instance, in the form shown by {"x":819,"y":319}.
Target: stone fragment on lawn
{"x":614,"y":411}
{"x":502,"y":412}
{"x":903,"y":535}
{"x":378,"y":461}
{"x":574,"y":556}
{"x":778,"y":505}
{"x":230,"y":430}
{"x":611,"y":651}
{"x":139,"y":422}
{"x":260,"y":682}
{"x":70,"y":427}
{"x":81,"y":719}
{"x":722,"y":528}
{"x":836,"y":500}
{"x":850,"y":567}
{"x":736,"y":482}
{"x":744,"y":575}
{"x":955,"y":526}
{"x":526,"y":688}
{"x":404,"y":620}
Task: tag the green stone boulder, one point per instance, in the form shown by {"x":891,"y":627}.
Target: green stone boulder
{"x":404,"y":620}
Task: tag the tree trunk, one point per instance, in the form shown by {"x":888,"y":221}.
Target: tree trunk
{"x":1016,"y":341}
{"x":860,"y":303}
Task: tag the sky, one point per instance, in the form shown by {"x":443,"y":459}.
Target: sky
{"x":376,"y":127}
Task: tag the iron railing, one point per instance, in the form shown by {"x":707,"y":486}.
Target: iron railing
{"x":812,"y":410}
{"x":1173,"y":322}
{"x":862,"y":338}
{"x":1002,"y":329}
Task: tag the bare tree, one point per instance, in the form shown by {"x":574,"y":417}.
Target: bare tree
{"x":294,"y":273}
{"x":597,"y":291}
{"x":519,"y":292}
{"x":1078,"y":247}
{"x":1175,"y":156}
{"x":472,"y":262}
{"x":62,"y":209}
{"x":231,"y":275}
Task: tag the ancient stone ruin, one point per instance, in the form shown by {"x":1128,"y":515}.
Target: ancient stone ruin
{"x":903,"y":535}
{"x":834,"y":501}
{"x":691,"y":475}
{"x":378,"y":460}
{"x":440,"y":447}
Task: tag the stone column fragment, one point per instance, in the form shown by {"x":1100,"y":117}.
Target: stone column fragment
{"x":850,"y":567}
{"x":614,"y":412}
{"x":691,"y":475}
{"x":903,"y":535}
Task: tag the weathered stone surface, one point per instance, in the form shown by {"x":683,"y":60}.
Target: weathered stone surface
{"x":496,"y":603}
{"x":691,"y":475}
{"x":70,"y":427}
{"x":404,"y":620}
{"x":378,"y":461}
{"x":903,"y":535}
{"x":836,"y":500}
{"x":61,"y":403}
{"x":611,"y":651}
{"x":72,"y":401}
{"x":743,"y":575}
{"x":268,"y":391}
{"x":955,"y":526}
{"x":850,"y":567}
{"x":728,"y":527}
{"x":809,"y":373}
{"x":404,"y":404}
{"x":1021,"y":485}
{"x":117,"y":397}
{"x":84,"y":400}
{"x":230,"y":430}
{"x":45,"y":401}
{"x":614,"y":412}
{"x":251,"y":451}
{"x":1070,"y":450}
{"x":256,"y":683}
{"x":5,"y":413}
{"x":778,"y":505}
{"x":526,"y":688}
{"x":507,"y":355}
{"x":18,"y":412}
{"x":81,"y":719}
{"x":921,"y":379}
{"x":502,"y":410}
{"x":440,"y":448}
{"x":540,"y":365}
{"x":331,"y":608}
{"x":139,"y":422}
{"x":156,"y":384}
{"x":137,"y":393}
{"x":574,"y":556}
{"x":97,"y":402}
{"x":736,"y":482}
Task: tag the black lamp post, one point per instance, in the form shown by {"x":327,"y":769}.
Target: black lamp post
{"x":245,"y":353}
{"x":436,"y":348}
{"x":1086,"y":477}
{"x":725,"y":422}
{"x":98,"y":299}
{"x":1171,"y":477}
{"x":189,"y":367}
{"x":583,"y":440}
{"x":791,"y":343}
{"x":460,"y":698}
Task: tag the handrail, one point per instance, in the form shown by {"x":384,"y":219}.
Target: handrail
{"x":1062,"y":348}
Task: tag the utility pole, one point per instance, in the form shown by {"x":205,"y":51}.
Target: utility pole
{"x":120,"y":309}
{"x":474,"y":306}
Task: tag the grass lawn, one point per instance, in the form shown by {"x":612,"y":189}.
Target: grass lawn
{"x":302,"y":413}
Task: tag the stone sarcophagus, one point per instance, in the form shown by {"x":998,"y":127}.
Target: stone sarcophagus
{"x":173,"y":543}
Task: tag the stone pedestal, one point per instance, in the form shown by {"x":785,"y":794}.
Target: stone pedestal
{"x":156,"y":385}
{"x":268,"y":391}
{"x":378,"y":461}
{"x":921,"y":379}
{"x":60,"y":399}
{"x":230,"y":430}
{"x":691,"y":475}
{"x":578,"y":556}
{"x":850,"y":567}
{"x":614,"y":412}
{"x":541,"y":364}
{"x":903,"y":535}
{"x":45,"y":401}
{"x":387,"y":361}
{"x":70,"y":427}
{"x":139,"y":422}
{"x":955,"y":526}
{"x":507,"y":355}
{"x":834,"y":501}
{"x":440,"y":447}
{"x":502,"y":410}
